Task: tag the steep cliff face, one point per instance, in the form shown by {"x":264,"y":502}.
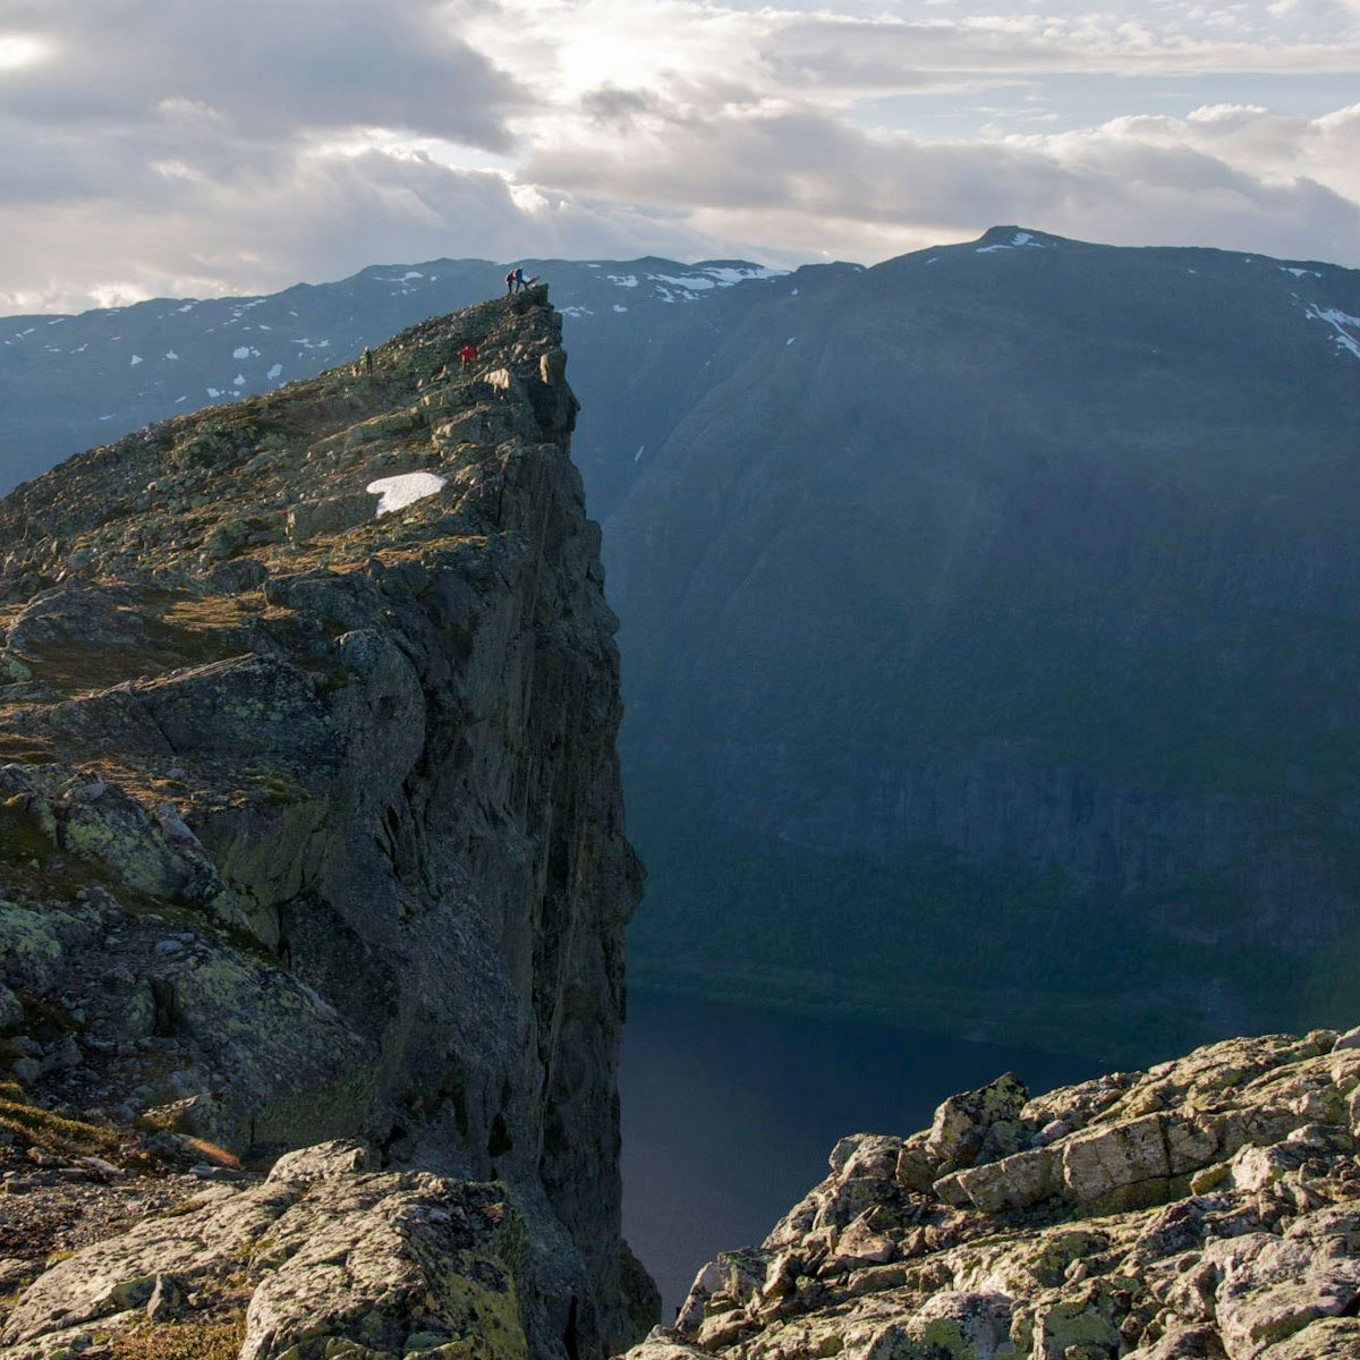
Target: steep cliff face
{"x":310,"y":800}
{"x":1206,"y":1209}
{"x":988,"y":620}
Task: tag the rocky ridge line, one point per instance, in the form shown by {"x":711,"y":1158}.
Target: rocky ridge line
{"x":311,"y":828}
{"x":1206,"y":1209}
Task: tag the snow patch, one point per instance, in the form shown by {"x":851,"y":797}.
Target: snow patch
{"x":619,"y":308}
{"x":577,"y":311}
{"x":275,"y":371}
{"x":790,"y":340}
{"x":180,"y":399}
{"x":623,"y":280}
{"x":708,"y":277}
{"x":639,"y":453}
{"x":727,"y":275}
{"x":170,"y":354}
{"x":1299,"y":273}
{"x":1341,"y":322}
{"x":1021,"y":238}
{"x":214,"y":391}
{"x":239,"y":380}
{"x":136,"y":359}
{"x":241,"y":352}
{"x":396,"y":493}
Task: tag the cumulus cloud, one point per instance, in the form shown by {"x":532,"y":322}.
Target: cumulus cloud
{"x":162,"y":146}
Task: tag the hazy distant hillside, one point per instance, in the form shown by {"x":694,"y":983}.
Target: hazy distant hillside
{"x":992,"y":629}
{"x":70,"y":382}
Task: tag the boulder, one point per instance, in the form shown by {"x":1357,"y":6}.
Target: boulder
{"x":1012,"y":1183}
{"x":330,"y":515}
{"x":961,"y":1122}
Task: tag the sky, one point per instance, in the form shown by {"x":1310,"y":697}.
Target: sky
{"x":174,"y":148}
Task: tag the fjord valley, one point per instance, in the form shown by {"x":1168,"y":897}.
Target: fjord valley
{"x":991,"y":648}
{"x":988,"y":635}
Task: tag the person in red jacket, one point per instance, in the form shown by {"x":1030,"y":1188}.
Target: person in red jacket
{"x":467,"y":355}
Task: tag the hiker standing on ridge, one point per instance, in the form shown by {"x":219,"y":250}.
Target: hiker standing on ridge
{"x":510,"y":283}
{"x":467,"y":355}
{"x":519,"y":279}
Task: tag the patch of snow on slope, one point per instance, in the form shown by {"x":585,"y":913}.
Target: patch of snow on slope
{"x":1299,"y":273}
{"x":577,"y":311}
{"x":136,"y":359}
{"x":638,"y":454}
{"x":170,"y":354}
{"x":241,"y":352}
{"x":1341,"y":322}
{"x":709,"y":277}
{"x":1021,"y":238}
{"x":619,"y":308}
{"x":396,"y":493}
{"x":275,"y":371}
{"x":726,"y":275}
{"x":623,"y":280}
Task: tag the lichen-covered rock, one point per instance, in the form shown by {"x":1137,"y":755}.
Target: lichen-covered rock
{"x":344,"y":1263}
{"x":1087,"y":1244}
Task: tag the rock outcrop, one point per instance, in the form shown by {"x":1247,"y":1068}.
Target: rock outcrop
{"x":311,"y":828}
{"x":1208,"y":1207}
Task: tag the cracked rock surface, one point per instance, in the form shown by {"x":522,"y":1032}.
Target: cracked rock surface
{"x":1208,"y":1207}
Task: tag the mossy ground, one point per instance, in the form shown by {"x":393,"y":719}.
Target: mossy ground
{"x":210,"y":1339}
{"x":52,"y":1132}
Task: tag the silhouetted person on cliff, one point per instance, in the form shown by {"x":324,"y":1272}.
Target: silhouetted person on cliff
{"x":510,"y":283}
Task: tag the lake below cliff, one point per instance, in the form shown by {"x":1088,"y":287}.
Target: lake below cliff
{"x":729,"y":1114}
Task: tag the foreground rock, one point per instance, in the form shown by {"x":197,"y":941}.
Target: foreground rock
{"x":310,"y":820}
{"x":1208,"y":1207}
{"x":318,"y":1260}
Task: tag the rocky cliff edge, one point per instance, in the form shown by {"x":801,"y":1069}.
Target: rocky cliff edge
{"x":1206,"y":1209}
{"x":311,"y":829}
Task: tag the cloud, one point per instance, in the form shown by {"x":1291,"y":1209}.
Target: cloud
{"x":265,"y":67}
{"x":164,"y":146}
{"x":1240,"y":177}
{"x":326,"y":217}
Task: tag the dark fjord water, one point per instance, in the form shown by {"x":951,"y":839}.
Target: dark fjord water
{"x":729,"y":1114}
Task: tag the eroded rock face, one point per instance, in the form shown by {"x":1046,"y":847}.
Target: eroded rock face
{"x":313,"y":814}
{"x":1208,"y":1207}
